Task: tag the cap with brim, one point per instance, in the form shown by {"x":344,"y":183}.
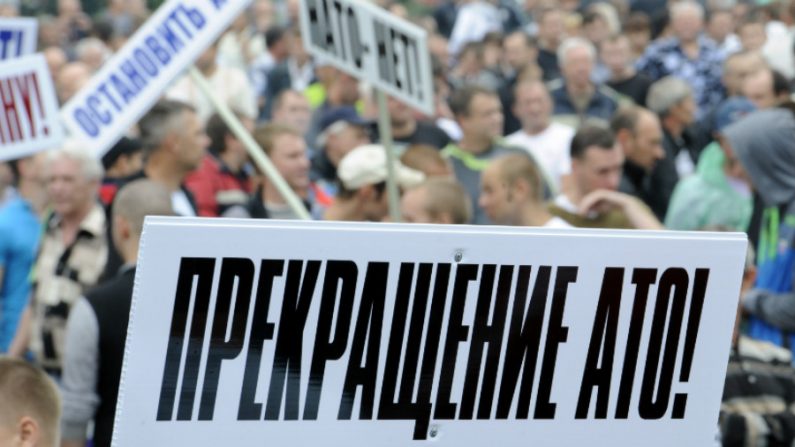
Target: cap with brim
{"x":366,"y":165}
{"x":344,"y":114}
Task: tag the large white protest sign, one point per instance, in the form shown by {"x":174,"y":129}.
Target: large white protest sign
{"x":373,"y":45}
{"x":132,"y":81}
{"x":307,"y":334}
{"x":28,"y":108}
{"x":18,"y":36}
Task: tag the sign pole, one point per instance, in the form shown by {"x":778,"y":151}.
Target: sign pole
{"x":254,"y":151}
{"x":385,"y":131}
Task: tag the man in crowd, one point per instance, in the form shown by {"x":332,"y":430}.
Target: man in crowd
{"x":638,"y":133}
{"x":407,"y":130}
{"x":291,"y":108}
{"x":31,"y":406}
{"x":547,"y":141}
{"x":436,"y":200}
{"x":123,"y":160}
{"x":766,"y":88}
{"x":616,"y":54}
{"x":174,"y":146}
{"x":687,"y":55}
{"x":341,"y":131}
{"x":72,"y":255}
{"x":672,"y":100}
{"x":19,"y":238}
{"x":512,"y":193}
{"x":763,"y":144}
{"x":551,"y":31}
{"x":362,"y":193}
{"x":286,"y":149}
{"x":221,"y":185}
{"x":520,"y":51}
{"x":593,"y":201}
{"x":97,"y":327}
{"x":479,"y":114}
{"x":576,"y":97}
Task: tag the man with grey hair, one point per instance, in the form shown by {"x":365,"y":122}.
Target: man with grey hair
{"x":72,"y":254}
{"x":576,"y":97}
{"x":672,"y":100}
{"x":97,"y":327}
{"x":689,"y":55}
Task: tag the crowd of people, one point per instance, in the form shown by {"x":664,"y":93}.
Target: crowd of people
{"x":623,"y":114}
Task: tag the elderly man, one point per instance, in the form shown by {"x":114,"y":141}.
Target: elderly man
{"x":546,"y":140}
{"x":688,"y":55}
{"x":576,"y":97}
{"x":72,"y":255}
{"x":672,"y":100}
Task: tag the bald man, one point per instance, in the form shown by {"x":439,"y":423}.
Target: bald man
{"x":512,"y":193}
{"x":29,"y":406}
{"x":97,"y":327}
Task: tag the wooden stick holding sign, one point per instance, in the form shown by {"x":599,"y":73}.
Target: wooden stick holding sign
{"x":376,"y":46}
{"x":254,"y":151}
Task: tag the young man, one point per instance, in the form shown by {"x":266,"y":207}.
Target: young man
{"x":30,"y":407}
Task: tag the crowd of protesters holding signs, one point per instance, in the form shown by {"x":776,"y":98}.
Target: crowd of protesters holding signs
{"x":617,"y":114}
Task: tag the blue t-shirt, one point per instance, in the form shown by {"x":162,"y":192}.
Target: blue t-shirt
{"x":19,"y":239}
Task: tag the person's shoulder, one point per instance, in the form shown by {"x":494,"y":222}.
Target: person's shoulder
{"x":109,"y":290}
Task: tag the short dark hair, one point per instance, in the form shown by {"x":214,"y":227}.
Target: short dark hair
{"x":217,"y":130}
{"x":625,"y":118}
{"x":159,"y":121}
{"x":280,"y":98}
{"x":461,"y":99}
{"x":780,"y":83}
{"x":529,"y":40}
{"x":274,"y":34}
{"x":591,"y":135}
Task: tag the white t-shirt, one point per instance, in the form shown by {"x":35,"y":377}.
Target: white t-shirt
{"x":551,"y":148}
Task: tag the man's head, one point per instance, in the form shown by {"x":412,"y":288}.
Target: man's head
{"x":551,"y":28}
{"x":278,"y":40}
{"x":342,"y":130}
{"x":639,"y":135}
{"x":363,"y":173}
{"x":532,"y":105}
{"x":507,"y":186}
{"x":400,"y":114}
{"x":132,"y":204}
{"x":73,"y":178}
{"x":672,"y":99}
{"x":437,"y":200}
{"x":479,"y":113}
{"x":428,"y":160}
{"x":720,"y":25}
{"x":224,"y":143}
{"x":31,"y":406}
{"x":616,"y":53}
{"x":172,"y":134}
{"x":737,"y":67}
{"x":286,"y":148}
{"x":519,"y":50}
{"x":291,"y":108}
{"x":596,"y":160}
{"x":687,"y":20}
{"x":766,"y":88}
{"x":206,"y":60}
{"x":343,"y":90}
{"x":576,"y":57}
{"x":72,"y":77}
{"x":752,"y":34}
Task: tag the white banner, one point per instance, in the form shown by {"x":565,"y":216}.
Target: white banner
{"x":373,"y":45}
{"x":307,"y":334}
{"x":132,"y":81}
{"x":28,"y":108}
{"x":18,"y":36}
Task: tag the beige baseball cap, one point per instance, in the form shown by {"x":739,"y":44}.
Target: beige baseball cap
{"x":366,"y":165}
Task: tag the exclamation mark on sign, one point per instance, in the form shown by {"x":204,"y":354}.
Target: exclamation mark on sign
{"x":34,"y":86}
{"x":693,"y":321}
